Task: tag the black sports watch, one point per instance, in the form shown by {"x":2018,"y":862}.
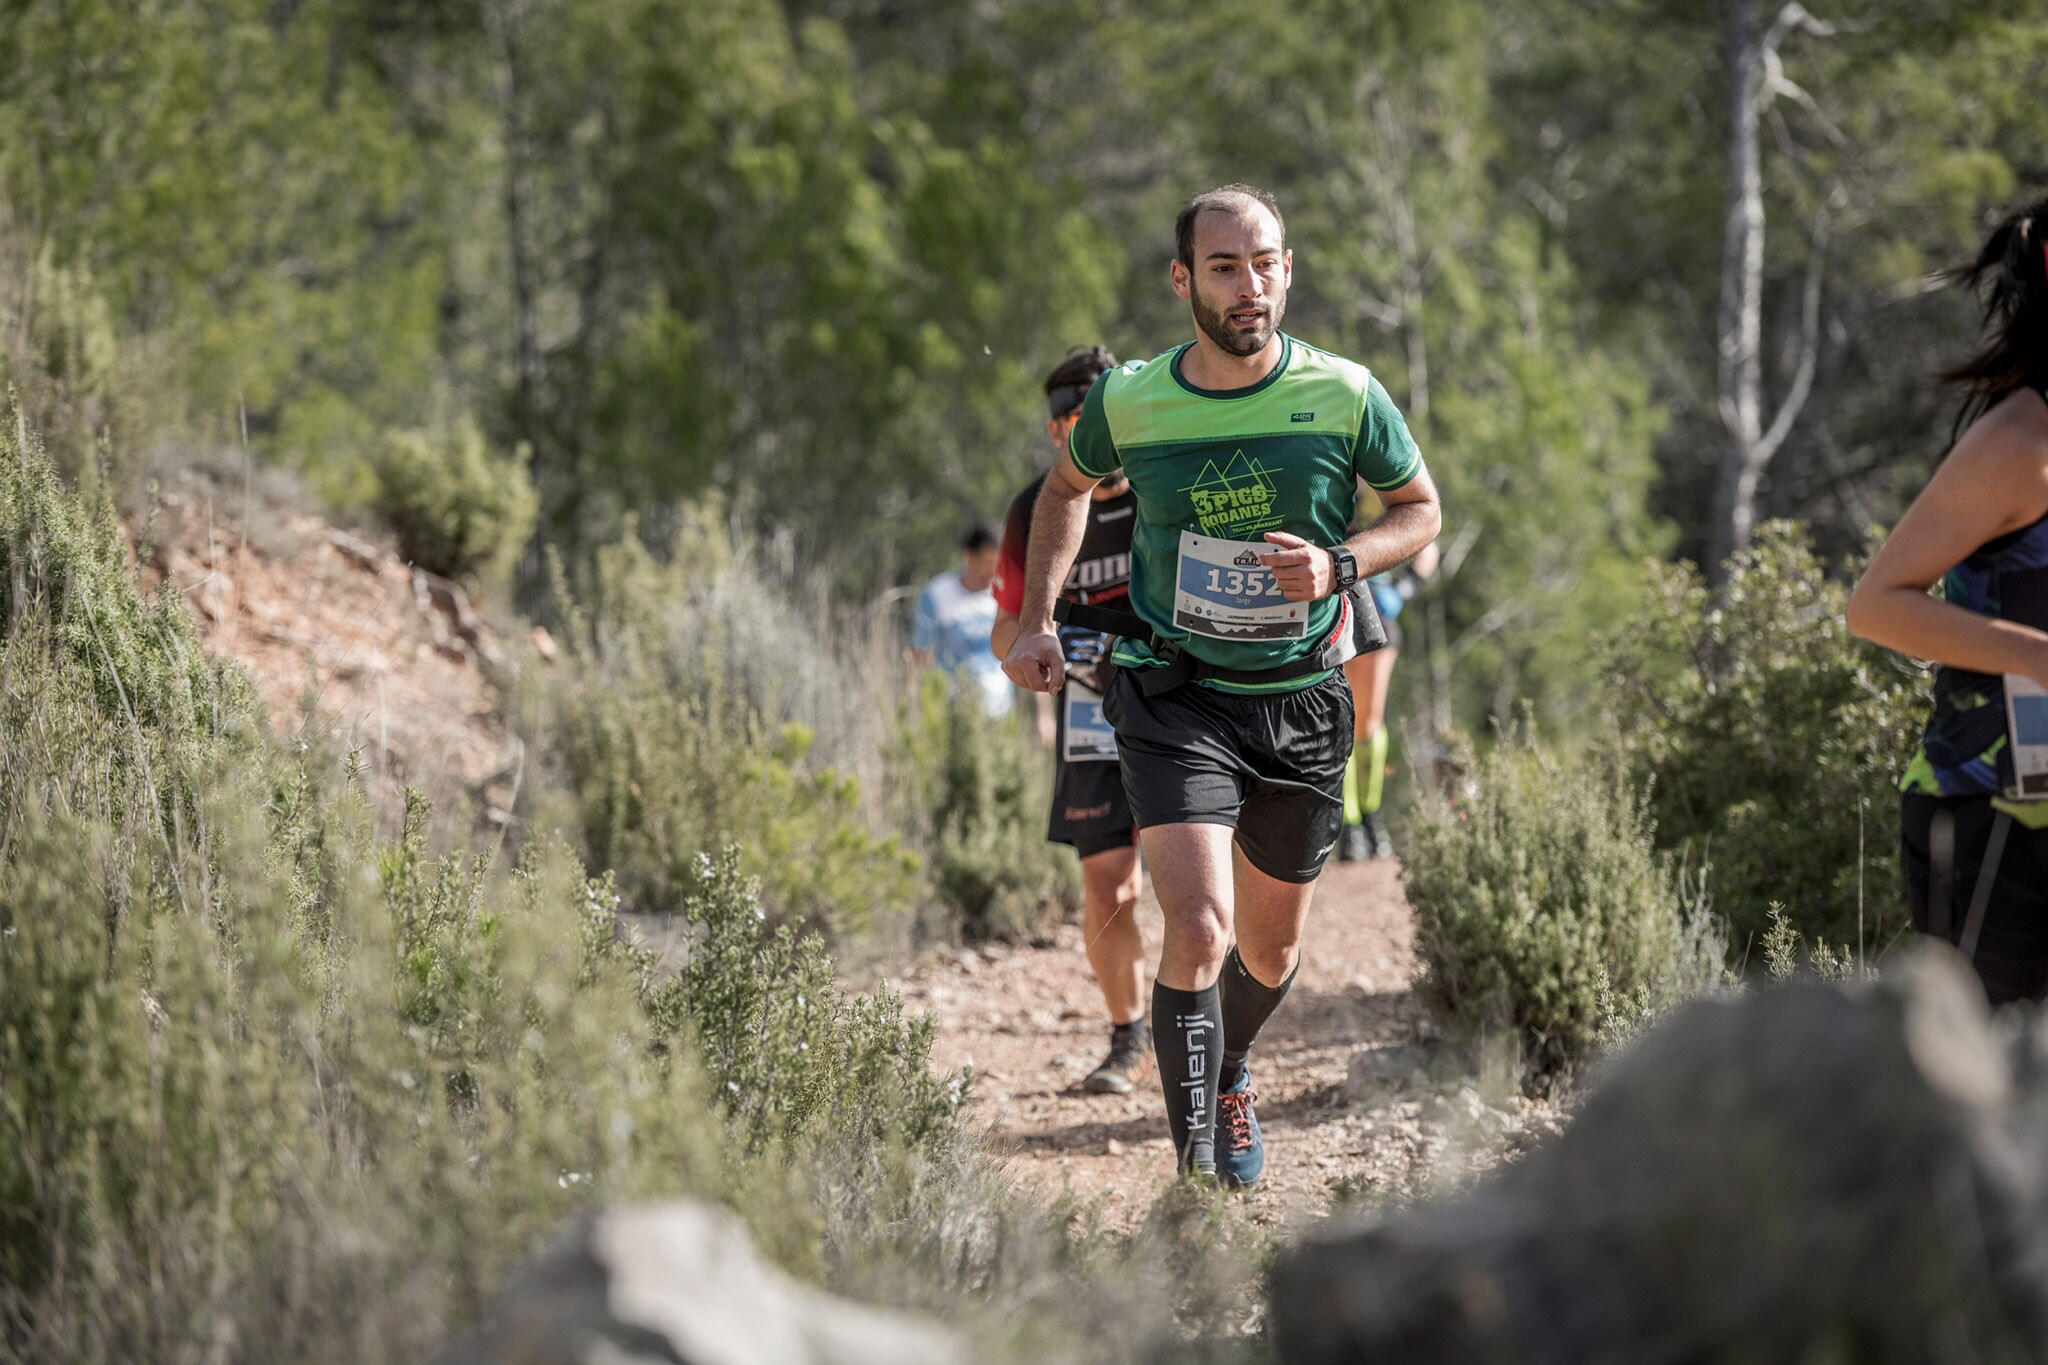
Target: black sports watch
{"x":1346,"y":565}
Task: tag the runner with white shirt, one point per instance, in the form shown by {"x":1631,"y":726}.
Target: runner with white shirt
{"x":949,"y":630}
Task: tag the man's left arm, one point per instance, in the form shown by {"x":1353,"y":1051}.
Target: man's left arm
{"x":1385,"y":456}
{"x":1413,"y":516}
{"x":1411,"y":521}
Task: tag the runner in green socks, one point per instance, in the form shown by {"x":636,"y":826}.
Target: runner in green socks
{"x":1233,"y":721}
{"x":1370,"y":676}
{"x":1089,"y":812}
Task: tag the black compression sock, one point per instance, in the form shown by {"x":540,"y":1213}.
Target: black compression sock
{"x":1188,"y":1036}
{"x":1247,"y":1004}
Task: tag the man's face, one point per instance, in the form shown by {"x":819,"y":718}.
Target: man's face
{"x":1057,"y":429}
{"x":1238,"y":287}
{"x":978,"y":567}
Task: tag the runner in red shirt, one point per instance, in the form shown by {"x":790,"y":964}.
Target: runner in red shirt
{"x":1089,"y":810}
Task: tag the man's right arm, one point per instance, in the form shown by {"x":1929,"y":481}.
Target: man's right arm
{"x":1058,"y":523}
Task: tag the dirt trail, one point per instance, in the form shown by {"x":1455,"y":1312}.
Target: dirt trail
{"x":1030,"y":1021}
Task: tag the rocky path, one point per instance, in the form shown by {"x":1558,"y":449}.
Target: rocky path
{"x":1342,"y":1072}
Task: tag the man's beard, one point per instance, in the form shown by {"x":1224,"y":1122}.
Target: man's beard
{"x":1216,"y":325}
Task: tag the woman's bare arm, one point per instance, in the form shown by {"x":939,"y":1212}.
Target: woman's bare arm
{"x":1994,"y":482}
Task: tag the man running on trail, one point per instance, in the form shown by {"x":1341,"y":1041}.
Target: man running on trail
{"x":1365,"y":776}
{"x":1233,"y":720}
{"x":1089,"y":811}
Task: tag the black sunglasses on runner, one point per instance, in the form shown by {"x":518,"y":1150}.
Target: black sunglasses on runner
{"x":1065,"y":399}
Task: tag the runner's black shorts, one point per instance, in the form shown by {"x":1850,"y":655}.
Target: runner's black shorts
{"x":2012,"y":946}
{"x":1090,"y":812}
{"x":1271,"y":766}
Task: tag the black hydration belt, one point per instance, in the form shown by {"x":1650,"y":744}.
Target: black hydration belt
{"x":1181,"y":666}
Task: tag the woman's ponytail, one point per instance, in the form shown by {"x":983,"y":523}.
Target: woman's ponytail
{"x":2010,"y":274}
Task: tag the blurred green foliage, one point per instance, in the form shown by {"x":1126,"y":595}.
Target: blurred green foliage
{"x":1771,"y":741}
{"x":240,"y":1043}
{"x":976,"y":790}
{"x":687,"y":712}
{"x":456,"y":508}
{"x":1541,"y":899}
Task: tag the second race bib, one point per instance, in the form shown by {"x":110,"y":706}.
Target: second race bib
{"x":1087,"y":736}
{"x":2026,"y":720}
{"x":1222,"y":591}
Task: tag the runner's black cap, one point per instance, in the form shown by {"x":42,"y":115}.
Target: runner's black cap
{"x":1071,"y":379}
{"x":1064,"y":399}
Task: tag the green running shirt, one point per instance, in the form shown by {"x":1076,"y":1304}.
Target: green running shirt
{"x":1281,"y":455}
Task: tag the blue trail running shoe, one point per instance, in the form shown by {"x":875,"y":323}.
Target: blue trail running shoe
{"x":1240,"y":1151}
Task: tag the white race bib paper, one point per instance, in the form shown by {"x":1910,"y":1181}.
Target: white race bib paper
{"x":1088,"y":736}
{"x":2026,"y":720}
{"x":1222,"y":591}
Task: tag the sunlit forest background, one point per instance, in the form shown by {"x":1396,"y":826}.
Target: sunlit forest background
{"x":812,"y":259}
{"x":697,"y":334}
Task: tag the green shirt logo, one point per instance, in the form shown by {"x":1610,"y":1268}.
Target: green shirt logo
{"x":1236,"y":502}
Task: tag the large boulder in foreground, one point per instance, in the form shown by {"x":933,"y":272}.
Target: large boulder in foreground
{"x":1816,"y":1174}
{"x":680,"y":1284}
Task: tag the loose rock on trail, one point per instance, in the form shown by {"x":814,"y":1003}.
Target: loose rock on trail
{"x":1354,"y":1094}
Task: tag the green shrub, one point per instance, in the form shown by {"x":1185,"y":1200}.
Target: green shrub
{"x":230,"y":1121}
{"x":685,"y":715}
{"x":108,"y":701}
{"x":455,"y":507}
{"x":257,"y":1072}
{"x":975,"y":792}
{"x":1540,"y":900}
{"x":65,"y":365}
{"x":1775,"y":740}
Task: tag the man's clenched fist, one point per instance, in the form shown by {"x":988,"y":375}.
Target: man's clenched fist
{"x":1036,"y":662}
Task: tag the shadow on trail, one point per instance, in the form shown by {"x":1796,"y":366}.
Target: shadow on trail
{"x":1338,"y":1018}
{"x":1090,"y":1135}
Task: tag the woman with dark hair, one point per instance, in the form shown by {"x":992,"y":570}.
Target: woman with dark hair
{"x":1973,"y":825}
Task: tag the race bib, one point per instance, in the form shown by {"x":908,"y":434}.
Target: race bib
{"x":1087,"y":736}
{"x":1222,"y":591}
{"x":2026,"y":718}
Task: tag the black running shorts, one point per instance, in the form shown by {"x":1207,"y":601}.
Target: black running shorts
{"x":1089,"y":810}
{"x":1270,"y":766}
{"x":2012,"y":947}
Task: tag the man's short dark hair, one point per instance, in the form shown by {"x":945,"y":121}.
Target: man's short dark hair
{"x":1230,"y":199}
{"x":1071,"y":379}
{"x":978,"y":538}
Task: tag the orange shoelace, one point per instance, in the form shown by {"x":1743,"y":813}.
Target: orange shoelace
{"x":1237,"y":1116}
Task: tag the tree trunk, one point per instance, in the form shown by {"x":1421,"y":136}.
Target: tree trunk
{"x":1740,"y":363}
{"x":1755,"y":78}
{"x":505,"y":20}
